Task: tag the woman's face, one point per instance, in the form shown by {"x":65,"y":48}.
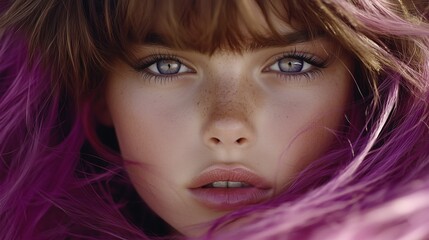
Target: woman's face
{"x":209,"y":134}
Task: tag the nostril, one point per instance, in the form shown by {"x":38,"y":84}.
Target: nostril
{"x":241,"y":141}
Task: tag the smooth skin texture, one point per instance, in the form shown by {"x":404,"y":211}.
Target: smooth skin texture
{"x":269,"y":110}
{"x":227,"y":110}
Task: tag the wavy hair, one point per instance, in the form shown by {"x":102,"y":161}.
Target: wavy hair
{"x":61,"y":174}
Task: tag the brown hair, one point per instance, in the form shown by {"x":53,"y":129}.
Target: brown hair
{"x":79,"y":39}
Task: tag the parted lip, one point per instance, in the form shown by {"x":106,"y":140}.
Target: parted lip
{"x":254,"y":190}
{"x":237,"y":174}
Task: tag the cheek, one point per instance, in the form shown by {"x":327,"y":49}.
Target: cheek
{"x":316,"y":130}
{"x":143,"y":122}
{"x":152,"y":140}
{"x":303,"y":127}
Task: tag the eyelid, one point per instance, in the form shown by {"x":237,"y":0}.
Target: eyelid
{"x":143,"y":64}
{"x":149,"y":76}
{"x":183,"y":68}
{"x":306,"y":57}
{"x":305,"y":68}
{"x":317,"y":64}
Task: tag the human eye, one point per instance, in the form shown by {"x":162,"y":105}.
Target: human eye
{"x":296,"y":64}
{"x":162,"y":68}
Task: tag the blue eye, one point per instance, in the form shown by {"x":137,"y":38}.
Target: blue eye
{"x":290,"y":65}
{"x":168,"y":67}
{"x":160,"y":68}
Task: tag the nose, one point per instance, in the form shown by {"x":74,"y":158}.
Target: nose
{"x":228,"y":133}
{"x":228,"y":122}
{"x":228,"y":104}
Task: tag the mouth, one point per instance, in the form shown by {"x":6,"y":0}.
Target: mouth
{"x":228,"y":189}
{"x":227,"y":184}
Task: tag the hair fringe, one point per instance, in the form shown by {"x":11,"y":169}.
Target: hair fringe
{"x":59,"y":180}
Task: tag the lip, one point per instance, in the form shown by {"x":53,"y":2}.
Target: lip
{"x":229,"y":198}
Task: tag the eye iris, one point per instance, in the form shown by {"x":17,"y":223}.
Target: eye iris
{"x":290,"y":65}
{"x":168,"y":66}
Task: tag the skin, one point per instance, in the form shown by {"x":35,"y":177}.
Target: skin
{"x":221,"y":111}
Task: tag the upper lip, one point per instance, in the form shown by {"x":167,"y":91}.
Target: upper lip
{"x":237,"y":174}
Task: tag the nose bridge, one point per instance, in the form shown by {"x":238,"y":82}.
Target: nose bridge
{"x":228,"y":109}
{"x":230,"y":104}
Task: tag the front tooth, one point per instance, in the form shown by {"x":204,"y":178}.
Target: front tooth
{"x":235,"y":184}
{"x":220,"y":184}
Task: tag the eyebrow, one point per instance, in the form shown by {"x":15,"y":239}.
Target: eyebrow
{"x":156,"y":39}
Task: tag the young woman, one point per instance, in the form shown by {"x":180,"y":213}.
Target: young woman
{"x":214,"y":119}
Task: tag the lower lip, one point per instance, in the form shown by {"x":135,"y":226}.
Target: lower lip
{"x":229,"y":198}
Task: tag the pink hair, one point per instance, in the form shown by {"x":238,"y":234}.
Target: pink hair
{"x":58,"y":180}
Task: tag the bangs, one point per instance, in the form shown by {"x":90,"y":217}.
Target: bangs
{"x":92,"y":34}
{"x":207,"y":26}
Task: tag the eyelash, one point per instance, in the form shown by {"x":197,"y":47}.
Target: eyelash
{"x":143,"y":65}
{"x":316,"y":65}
